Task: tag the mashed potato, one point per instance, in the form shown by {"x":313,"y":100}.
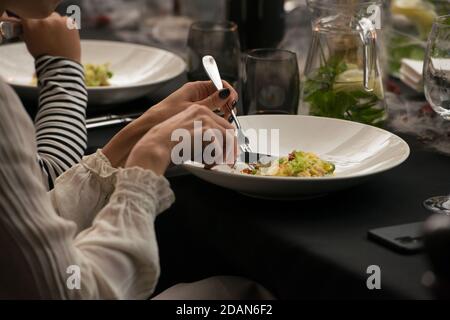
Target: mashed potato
{"x":96,"y":75}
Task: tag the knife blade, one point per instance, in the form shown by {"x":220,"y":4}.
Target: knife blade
{"x":253,"y":158}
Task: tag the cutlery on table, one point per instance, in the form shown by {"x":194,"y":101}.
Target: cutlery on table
{"x":110,"y":120}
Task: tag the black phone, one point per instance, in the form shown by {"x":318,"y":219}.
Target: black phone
{"x":406,"y":239}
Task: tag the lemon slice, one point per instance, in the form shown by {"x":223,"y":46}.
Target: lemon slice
{"x":421,"y":13}
{"x":353,"y":80}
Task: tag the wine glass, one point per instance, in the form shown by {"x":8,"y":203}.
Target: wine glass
{"x":437,"y":87}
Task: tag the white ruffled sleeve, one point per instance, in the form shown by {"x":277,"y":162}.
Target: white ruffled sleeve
{"x":84,"y":190}
{"x":116,"y":252}
{"x":121,"y":243}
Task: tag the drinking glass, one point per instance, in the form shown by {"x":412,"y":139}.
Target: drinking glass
{"x":271,"y":82}
{"x":220,"y":40}
{"x":437,"y":87}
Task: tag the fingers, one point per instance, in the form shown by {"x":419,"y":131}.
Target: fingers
{"x":221,"y":121}
{"x":201,"y":112}
{"x":232,"y":105}
{"x":227,"y":112}
{"x":218,"y":136}
{"x":219,"y":148}
{"x":222,"y":100}
{"x":207,"y":95}
{"x":204,"y":89}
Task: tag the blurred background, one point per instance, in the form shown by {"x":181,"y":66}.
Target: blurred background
{"x":286,"y":24}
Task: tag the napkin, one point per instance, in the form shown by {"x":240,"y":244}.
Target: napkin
{"x":411,"y":73}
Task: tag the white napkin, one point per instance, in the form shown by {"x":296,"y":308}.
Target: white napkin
{"x":411,"y":73}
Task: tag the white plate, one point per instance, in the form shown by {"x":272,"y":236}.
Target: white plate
{"x":358,"y":151}
{"x":138,"y":70}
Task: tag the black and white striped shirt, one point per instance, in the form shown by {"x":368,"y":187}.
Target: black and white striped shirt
{"x":60,"y":123}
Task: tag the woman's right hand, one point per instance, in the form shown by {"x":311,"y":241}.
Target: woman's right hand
{"x":195,"y":93}
{"x":154,"y":150}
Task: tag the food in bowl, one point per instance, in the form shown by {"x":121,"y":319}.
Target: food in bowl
{"x":96,"y":75}
{"x":296,"y":164}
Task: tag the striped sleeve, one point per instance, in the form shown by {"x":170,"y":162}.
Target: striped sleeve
{"x":60,"y":123}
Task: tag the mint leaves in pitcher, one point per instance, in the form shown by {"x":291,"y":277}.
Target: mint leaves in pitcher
{"x":336,"y":90}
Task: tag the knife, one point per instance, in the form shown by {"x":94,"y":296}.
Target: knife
{"x":257,"y":158}
{"x":110,"y":120}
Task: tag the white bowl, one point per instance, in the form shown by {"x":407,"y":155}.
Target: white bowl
{"x":138,"y":70}
{"x":358,"y":151}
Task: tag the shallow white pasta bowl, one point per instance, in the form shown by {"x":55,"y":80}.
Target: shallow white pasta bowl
{"x":138,"y":70}
{"x":358,"y":151}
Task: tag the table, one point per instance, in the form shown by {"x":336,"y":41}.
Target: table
{"x":305,"y":249}
{"x":301,"y":249}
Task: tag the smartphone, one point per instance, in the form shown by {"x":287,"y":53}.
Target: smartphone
{"x":406,"y":239}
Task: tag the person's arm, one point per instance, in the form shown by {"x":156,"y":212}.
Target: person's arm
{"x":95,"y":174}
{"x":61,"y":119}
{"x":117,"y":255}
{"x":84,"y":190}
{"x":60,"y":123}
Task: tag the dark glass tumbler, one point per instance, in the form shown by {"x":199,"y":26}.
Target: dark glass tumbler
{"x":220,"y":40}
{"x":271,"y":82}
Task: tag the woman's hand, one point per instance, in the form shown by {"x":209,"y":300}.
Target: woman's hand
{"x":52,"y":36}
{"x":202,"y":93}
{"x":154,"y":150}
{"x":194,"y":93}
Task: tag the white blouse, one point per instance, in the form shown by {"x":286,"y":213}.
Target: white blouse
{"x":98,"y":220}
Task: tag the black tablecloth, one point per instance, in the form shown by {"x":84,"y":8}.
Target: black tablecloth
{"x":303,"y":249}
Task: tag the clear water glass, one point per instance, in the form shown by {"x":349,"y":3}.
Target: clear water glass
{"x":437,"y":87}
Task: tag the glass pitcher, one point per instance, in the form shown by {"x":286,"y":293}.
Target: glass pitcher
{"x":342,"y":74}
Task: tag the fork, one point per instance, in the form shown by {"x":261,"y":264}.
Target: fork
{"x":211,"y":68}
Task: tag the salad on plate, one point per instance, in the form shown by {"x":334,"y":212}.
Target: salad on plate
{"x":296,"y":164}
